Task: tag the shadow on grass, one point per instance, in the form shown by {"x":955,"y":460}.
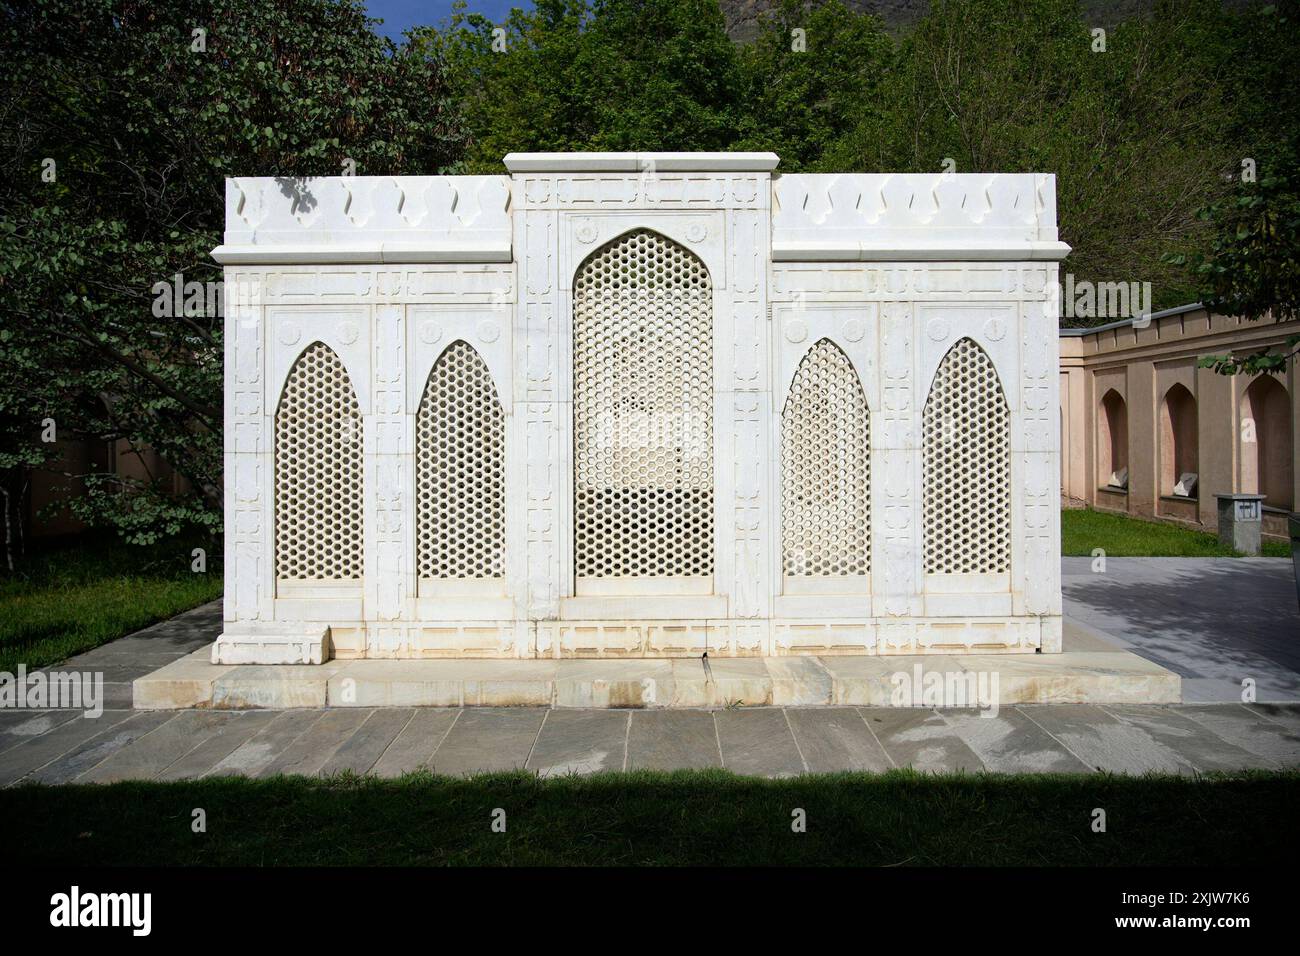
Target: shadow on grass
{"x":682,"y":818}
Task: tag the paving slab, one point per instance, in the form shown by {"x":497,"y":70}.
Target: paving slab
{"x":242,"y":727}
{"x":758,"y":742}
{"x":580,"y":741}
{"x":831,"y":739}
{"x":1213,"y":621}
{"x":153,"y":753}
{"x":921,"y":739}
{"x":125,"y":651}
{"x":311,"y":749}
{"x":488,"y":739}
{"x":118,"y":696}
{"x":414,"y":747}
{"x":40,"y":750}
{"x":1080,"y":637}
{"x":1188,"y":739}
{"x":89,"y":754}
{"x":253,"y":755}
{"x":367,"y":744}
{"x":1007,"y":741}
{"x":121,"y":670}
{"x":672,"y":739}
{"x":1105,"y":742}
{"x":182,"y":634}
{"x":1245,"y":727}
{"x":1286,"y":715}
{"x":19,"y":726}
{"x":1211,"y":690}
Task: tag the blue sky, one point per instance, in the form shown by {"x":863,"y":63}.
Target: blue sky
{"x":399,"y":15}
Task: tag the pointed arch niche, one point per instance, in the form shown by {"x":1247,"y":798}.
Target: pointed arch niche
{"x":460,"y":463}
{"x":1179,"y":468}
{"x":1112,"y":442}
{"x":1265,"y":436}
{"x":643,"y":494}
{"x":825,"y":476}
{"x":318,"y":474}
{"x":966,"y":467}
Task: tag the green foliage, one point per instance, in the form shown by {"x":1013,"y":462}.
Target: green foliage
{"x":606,"y":75}
{"x":142,"y":129}
{"x":1134,"y":134}
{"x":802,"y":103}
{"x":1251,"y":267}
{"x":68,"y":599}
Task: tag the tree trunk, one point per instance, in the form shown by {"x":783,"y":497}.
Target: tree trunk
{"x":9,"y":534}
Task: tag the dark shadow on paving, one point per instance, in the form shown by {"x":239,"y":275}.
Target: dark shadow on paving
{"x":1206,"y":617}
{"x":180,"y":635}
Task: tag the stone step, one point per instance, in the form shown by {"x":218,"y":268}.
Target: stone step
{"x":1100,"y":674}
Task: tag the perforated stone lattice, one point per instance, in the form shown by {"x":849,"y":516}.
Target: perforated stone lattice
{"x":825,"y":468}
{"x":643,"y":411}
{"x":318,"y":471}
{"x":460,"y":439}
{"x":967,"y":467}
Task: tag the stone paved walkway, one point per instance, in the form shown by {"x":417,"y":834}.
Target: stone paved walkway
{"x":64,"y":747}
{"x":1214,"y":621}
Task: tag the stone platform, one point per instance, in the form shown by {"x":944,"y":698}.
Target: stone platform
{"x":1091,"y":670}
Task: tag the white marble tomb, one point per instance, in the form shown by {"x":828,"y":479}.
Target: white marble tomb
{"x":640,"y":405}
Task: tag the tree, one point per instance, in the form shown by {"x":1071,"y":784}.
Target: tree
{"x":120,"y":121}
{"x":808,"y":90}
{"x":1133,"y":133}
{"x":1252,"y":265}
{"x":604,"y":75}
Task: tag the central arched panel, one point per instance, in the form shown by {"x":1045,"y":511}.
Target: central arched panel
{"x":643,"y":502}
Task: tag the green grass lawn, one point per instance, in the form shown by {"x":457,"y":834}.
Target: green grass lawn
{"x":1083,"y":529}
{"x":71,"y":598}
{"x":681,"y":818}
